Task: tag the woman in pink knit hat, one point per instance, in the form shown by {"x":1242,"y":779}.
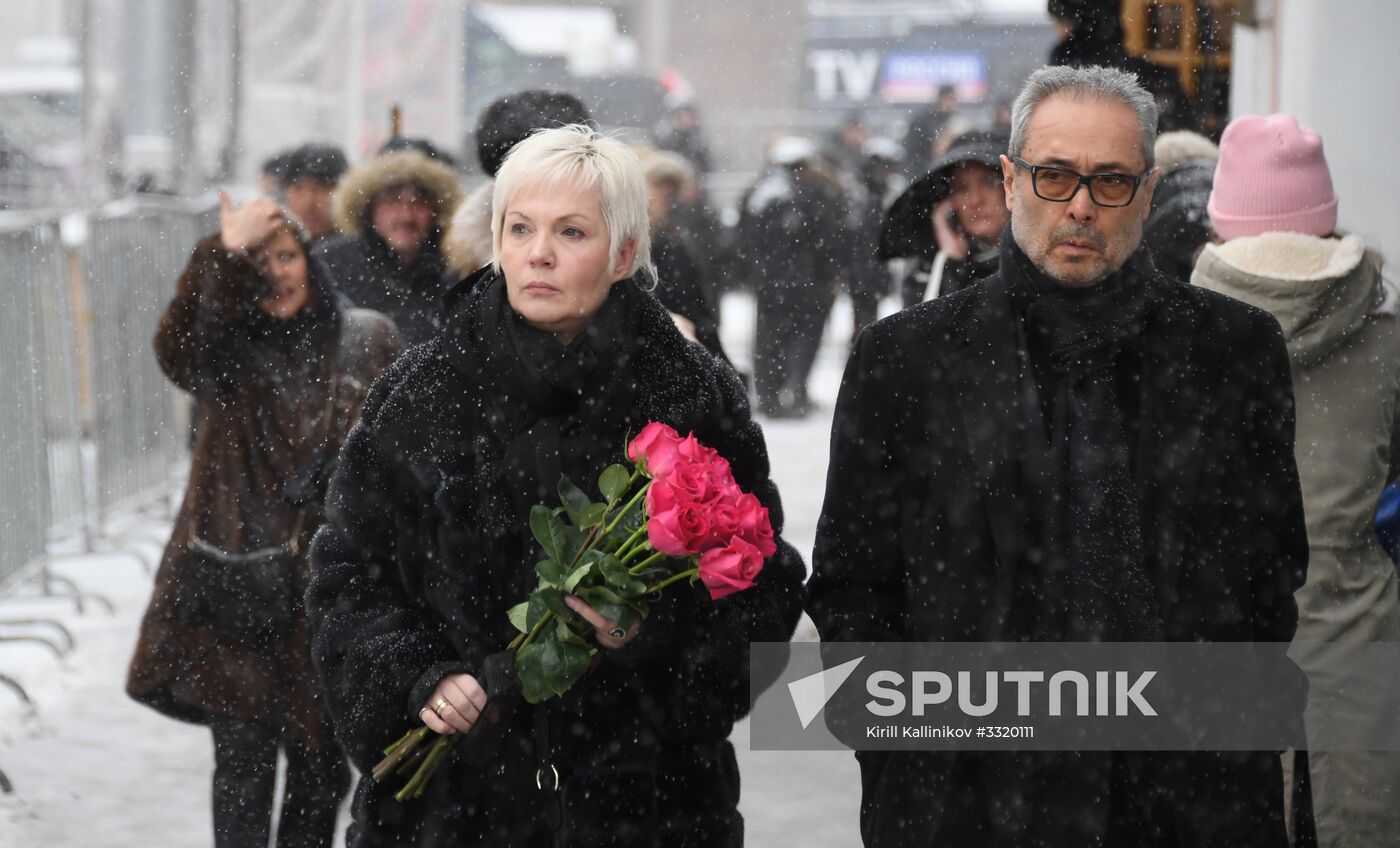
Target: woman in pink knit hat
{"x":1274,"y":208}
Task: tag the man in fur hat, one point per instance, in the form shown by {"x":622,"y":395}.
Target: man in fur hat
{"x":392,"y":211}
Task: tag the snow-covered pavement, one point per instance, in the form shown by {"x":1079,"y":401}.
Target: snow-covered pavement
{"x":91,"y":769}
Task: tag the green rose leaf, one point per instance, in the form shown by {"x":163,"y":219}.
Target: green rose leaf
{"x":610,"y":605}
{"x":553,"y":600}
{"x":573,"y":540}
{"x":582,"y":571}
{"x":566,"y":633}
{"x":576,"y":656}
{"x":550,"y":665}
{"x":633,"y":518}
{"x":575,"y":502}
{"x":593,"y":516}
{"x":614,"y":482}
{"x":551,"y":573}
{"x":617,"y":576}
{"x":551,"y":533}
{"x":519,"y":616}
{"x":530,"y":667}
{"x":535,"y":611}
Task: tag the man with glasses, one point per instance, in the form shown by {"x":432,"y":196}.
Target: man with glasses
{"x":1075,"y":449}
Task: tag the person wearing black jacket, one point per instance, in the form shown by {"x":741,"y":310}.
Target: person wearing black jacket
{"x":1092,"y":34}
{"x":307,"y":179}
{"x":1076,"y":449}
{"x":682,"y":286}
{"x":794,"y":243}
{"x":391,"y":212}
{"x":548,"y":359}
{"x":954,"y":213}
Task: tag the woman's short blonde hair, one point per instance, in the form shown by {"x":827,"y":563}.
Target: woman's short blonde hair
{"x":580,"y":156}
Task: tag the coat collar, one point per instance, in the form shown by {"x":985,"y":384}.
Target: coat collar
{"x":989,"y":377}
{"x":446,"y":402}
{"x":987,"y":383}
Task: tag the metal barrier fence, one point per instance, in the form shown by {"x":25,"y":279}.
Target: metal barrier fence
{"x":23,"y":473}
{"x":57,"y":296}
{"x":88,"y":423}
{"x":50,"y":364}
{"x":131,"y":258}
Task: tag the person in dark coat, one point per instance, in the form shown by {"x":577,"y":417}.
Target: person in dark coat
{"x":1077,"y":449}
{"x":505,"y":123}
{"x":548,"y":360}
{"x":681,"y":131}
{"x":793,"y":238}
{"x":307,"y":180}
{"x":278,"y":366}
{"x":1091,"y":33}
{"x":391,"y":212}
{"x":1179,"y":227}
{"x":950,"y":219}
{"x":925,"y":128}
{"x":682,"y":286}
{"x":876,"y":183}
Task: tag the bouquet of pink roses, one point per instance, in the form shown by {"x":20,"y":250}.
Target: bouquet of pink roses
{"x":687,"y":521}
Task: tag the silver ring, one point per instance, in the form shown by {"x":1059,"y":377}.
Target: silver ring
{"x":617,"y":633}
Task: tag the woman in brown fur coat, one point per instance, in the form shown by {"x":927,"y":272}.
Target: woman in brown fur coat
{"x":278,"y":367}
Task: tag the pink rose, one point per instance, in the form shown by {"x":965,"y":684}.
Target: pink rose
{"x":754,"y":524}
{"x":658,"y":447}
{"x":677,"y":525}
{"x":663,"y":520}
{"x":661,"y":497}
{"x":724,"y":521}
{"x":694,"y":504}
{"x":691,"y":450}
{"x":693,"y":520}
{"x":698,"y":483}
{"x":730,"y":569}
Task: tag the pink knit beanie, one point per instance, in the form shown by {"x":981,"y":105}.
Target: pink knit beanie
{"x":1272,"y":177}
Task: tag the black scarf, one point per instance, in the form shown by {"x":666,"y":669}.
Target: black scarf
{"x":556,"y":409}
{"x":1084,"y":347}
{"x":1083,"y":576}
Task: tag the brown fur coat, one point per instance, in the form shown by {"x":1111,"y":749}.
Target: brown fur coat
{"x":262,"y":405}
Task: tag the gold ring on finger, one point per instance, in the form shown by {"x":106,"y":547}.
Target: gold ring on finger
{"x":439,"y":705}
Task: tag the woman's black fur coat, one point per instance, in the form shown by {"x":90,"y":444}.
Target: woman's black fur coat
{"x":426,"y":545}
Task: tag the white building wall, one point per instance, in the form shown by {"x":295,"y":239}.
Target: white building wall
{"x":25,"y":23}
{"x":1335,"y":64}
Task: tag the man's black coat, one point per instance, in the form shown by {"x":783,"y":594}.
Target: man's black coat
{"x":920,"y":529}
{"x":371,"y":275}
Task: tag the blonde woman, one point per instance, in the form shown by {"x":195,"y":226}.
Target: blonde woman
{"x":548,"y":358}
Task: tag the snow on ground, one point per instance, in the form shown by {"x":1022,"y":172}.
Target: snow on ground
{"x":92,"y":769}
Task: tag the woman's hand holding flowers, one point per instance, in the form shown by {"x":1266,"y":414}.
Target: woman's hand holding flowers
{"x":455,"y":705}
{"x":605,"y":564}
{"x":608,"y":633}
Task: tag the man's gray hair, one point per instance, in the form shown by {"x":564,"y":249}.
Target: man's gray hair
{"x":1093,"y":82}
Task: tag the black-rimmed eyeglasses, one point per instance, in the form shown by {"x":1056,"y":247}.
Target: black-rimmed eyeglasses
{"x":1060,"y":185}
